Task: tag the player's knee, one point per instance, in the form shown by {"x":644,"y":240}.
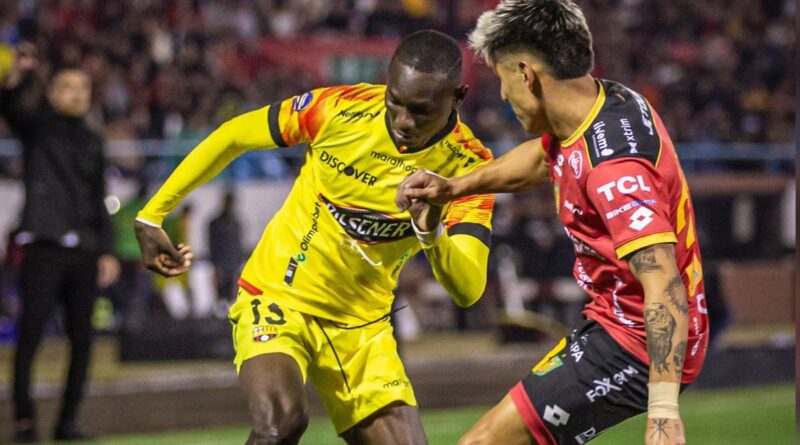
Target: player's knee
{"x":473,"y":437}
{"x":278,"y":422}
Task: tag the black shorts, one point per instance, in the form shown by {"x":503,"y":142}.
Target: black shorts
{"x":584,"y":385}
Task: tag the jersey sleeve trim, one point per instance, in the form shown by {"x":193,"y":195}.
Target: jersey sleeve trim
{"x":639,"y":243}
{"x":274,"y":125}
{"x":473,"y":229}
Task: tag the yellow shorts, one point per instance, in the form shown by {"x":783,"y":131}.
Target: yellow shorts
{"x":355,"y":371}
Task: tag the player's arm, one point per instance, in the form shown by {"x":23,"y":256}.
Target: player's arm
{"x":666,"y":323}
{"x":281,"y":124}
{"x":520,"y":169}
{"x":458,"y":248}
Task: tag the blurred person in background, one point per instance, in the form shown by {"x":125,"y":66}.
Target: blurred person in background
{"x":65,"y":230}
{"x":623,"y":199}
{"x":316,"y":295}
{"x":225,"y":248}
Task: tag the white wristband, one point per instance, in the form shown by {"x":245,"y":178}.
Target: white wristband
{"x":147,"y":223}
{"x":662,"y":401}
{"x":428,"y":238}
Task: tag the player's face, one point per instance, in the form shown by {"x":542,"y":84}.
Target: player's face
{"x":71,"y":93}
{"x":418,"y":104}
{"x":515,"y":88}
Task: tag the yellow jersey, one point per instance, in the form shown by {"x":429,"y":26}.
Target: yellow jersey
{"x":337,"y":245}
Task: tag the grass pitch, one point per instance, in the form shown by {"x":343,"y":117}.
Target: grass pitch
{"x":725,"y":417}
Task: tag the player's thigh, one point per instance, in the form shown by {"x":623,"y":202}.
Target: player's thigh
{"x":502,"y":424}
{"x":397,"y":423}
{"x":358,"y":374}
{"x":584,"y":386}
{"x":271,"y":353}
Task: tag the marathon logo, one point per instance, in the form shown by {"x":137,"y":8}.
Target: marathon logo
{"x":348,"y":170}
{"x":394,"y":162}
{"x":367,"y":226}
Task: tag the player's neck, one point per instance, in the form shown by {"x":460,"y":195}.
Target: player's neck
{"x":569,"y":103}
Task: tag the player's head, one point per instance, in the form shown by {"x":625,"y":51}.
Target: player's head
{"x":70,"y":92}
{"x":423,"y":86}
{"x":530,"y":42}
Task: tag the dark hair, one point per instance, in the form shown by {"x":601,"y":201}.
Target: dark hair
{"x":553,"y":30}
{"x":430,"y":51}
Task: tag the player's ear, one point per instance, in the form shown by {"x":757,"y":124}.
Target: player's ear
{"x":525,"y":69}
{"x":459,"y":95}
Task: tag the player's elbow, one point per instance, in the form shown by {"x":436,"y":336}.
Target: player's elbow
{"x":469,"y":295}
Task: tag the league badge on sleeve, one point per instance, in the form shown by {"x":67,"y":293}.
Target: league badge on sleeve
{"x":300,"y":103}
{"x":576,"y":162}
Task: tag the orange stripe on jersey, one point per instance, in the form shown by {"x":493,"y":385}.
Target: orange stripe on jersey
{"x":471,"y":209}
{"x":464,"y":136}
{"x":360,"y":93}
{"x":303,"y":125}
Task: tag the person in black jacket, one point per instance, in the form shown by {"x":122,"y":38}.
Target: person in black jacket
{"x":65,"y":229}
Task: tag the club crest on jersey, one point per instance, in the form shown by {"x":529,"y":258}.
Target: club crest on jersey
{"x":368,"y":226}
{"x":263,"y":334}
{"x":576,"y":162}
{"x":300,"y":103}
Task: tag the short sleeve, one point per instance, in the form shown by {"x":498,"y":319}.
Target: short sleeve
{"x":633,"y":202}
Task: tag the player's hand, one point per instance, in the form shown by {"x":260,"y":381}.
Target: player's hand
{"x":423,"y":185}
{"x":107,"y":270}
{"x":158,"y":253}
{"x":426,"y":216}
{"x":665,"y":432}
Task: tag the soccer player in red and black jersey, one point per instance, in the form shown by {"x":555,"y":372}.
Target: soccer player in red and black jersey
{"x":625,"y":205}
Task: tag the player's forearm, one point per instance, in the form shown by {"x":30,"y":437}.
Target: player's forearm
{"x":519,"y":169}
{"x":666,"y":324}
{"x":459,"y":263}
{"x":211,"y":156}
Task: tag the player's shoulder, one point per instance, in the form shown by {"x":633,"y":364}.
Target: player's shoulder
{"x":623,"y":128}
{"x":461,"y":138}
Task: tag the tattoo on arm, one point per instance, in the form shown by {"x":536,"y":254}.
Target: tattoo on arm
{"x":675,"y":291}
{"x":644,"y":260}
{"x":660,"y":325}
{"x":659,"y":427}
{"x":678,"y":358}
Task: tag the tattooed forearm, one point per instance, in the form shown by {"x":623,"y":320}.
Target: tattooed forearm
{"x":677,"y":359}
{"x":660,"y":325}
{"x":677,"y":295}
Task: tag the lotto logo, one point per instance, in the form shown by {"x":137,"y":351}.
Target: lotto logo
{"x":641,"y":219}
{"x":555,"y":415}
{"x":625,"y":185}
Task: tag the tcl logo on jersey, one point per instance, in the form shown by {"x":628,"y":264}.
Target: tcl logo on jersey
{"x":625,"y":185}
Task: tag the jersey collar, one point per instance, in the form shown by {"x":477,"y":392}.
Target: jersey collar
{"x":451,"y":124}
{"x":598,"y":104}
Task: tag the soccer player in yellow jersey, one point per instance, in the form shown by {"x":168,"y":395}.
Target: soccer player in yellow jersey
{"x":316,"y":294}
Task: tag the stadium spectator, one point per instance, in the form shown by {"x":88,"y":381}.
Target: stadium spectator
{"x":65,"y":229}
{"x":226,"y":249}
{"x":625,"y":205}
{"x":720,"y":70}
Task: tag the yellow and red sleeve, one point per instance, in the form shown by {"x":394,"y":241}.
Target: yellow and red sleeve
{"x":459,"y":256}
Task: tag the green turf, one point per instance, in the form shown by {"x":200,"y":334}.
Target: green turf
{"x":727,"y":417}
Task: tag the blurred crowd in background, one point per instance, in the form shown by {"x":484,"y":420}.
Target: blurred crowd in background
{"x":173,"y":70}
{"x":717,"y":70}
